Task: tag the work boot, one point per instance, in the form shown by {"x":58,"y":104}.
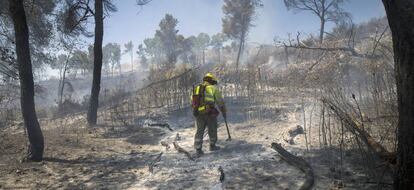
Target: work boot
{"x":214,"y":148}
{"x":198,"y":153}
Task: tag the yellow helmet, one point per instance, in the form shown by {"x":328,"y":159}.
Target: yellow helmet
{"x":210,"y":76}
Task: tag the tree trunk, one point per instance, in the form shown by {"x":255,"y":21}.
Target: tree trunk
{"x":219,"y":56}
{"x":401,"y":20}
{"x":240,"y":50}
{"x":238,"y":78}
{"x":132,"y":60}
{"x":323,"y":21}
{"x":97,"y":64}
{"x":120,"y":69}
{"x":27,"y":103}
{"x":204,"y":56}
{"x":287,"y":56}
{"x":62,"y":84}
{"x":322,"y":30}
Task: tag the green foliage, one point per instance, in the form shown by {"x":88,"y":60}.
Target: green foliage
{"x":129,"y":47}
{"x":80,"y":61}
{"x":169,"y":40}
{"x":187,"y":50}
{"x":217,"y":40}
{"x":111,"y":55}
{"x":153,"y":47}
{"x":73,"y":16}
{"x":40,"y":21}
{"x":238,"y":16}
{"x":202,"y":41}
{"x":142,"y":56}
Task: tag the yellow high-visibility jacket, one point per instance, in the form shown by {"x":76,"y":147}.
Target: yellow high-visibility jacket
{"x":212,"y":96}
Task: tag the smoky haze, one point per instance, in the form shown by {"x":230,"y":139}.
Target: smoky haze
{"x":206,"y":94}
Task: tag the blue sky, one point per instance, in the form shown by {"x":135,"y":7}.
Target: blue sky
{"x":135,"y":23}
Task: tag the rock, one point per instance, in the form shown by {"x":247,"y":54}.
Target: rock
{"x":177,"y":137}
{"x":296,"y":131}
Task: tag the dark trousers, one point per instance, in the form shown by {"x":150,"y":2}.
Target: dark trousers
{"x":203,"y":121}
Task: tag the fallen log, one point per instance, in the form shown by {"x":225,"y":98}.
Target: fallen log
{"x":182,"y":150}
{"x":299,"y":163}
{"x":353,"y":126}
{"x":165,"y":125}
{"x":152,"y":164}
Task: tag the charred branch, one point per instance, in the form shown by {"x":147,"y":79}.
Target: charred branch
{"x":164,"y":125}
{"x":354,"y":127}
{"x":182,"y":150}
{"x":152,"y":164}
{"x":348,"y":49}
{"x":299,"y":163}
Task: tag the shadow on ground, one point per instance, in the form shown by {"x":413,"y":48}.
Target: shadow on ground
{"x":137,"y":134}
{"x":113,"y":172}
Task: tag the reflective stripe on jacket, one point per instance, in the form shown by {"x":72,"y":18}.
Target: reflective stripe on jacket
{"x":212,"y":95}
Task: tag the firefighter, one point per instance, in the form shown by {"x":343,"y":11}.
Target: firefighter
{"x":206,"y":96}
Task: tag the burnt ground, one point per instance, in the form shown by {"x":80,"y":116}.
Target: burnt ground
{"x":103,"y":157}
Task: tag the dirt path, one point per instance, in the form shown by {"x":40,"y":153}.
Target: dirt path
{"x":248,"y":161}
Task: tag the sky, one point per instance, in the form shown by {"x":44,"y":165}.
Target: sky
{"x":135,"y":23}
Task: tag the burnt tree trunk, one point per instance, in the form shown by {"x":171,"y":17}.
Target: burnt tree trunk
{"x":401,"y":20}
{"x":27,"y":103}
{"x":204,"y":56}
{"x":62,"y":82}
{"x":97,"y":64}
{"x":219,"y":55}
{"x":323,"y":21}
{"x":241,"y":43}
{"x":132,"y":60}
{"x":298,"y":162}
